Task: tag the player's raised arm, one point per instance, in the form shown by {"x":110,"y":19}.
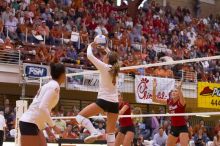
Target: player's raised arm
{"x":179,"y":90}
{"x":154,"y":96}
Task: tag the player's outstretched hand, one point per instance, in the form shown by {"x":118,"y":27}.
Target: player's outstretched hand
{"x":179,"y":85}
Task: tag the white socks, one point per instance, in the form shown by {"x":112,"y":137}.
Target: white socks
{"x":85,"y":122}
{"x":110,"y":137}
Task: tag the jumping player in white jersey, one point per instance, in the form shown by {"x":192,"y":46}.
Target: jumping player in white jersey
{"x":107,"y":100}
{"x":37,"y":117}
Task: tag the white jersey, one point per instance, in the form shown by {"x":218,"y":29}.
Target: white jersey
{"x":39,"y":110}
{"x":2,"y":122}
{"x":107,"y":91}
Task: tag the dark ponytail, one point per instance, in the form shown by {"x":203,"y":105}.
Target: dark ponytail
{"x":113,"y":60}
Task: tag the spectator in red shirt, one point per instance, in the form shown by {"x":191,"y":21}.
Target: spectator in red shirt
{"x":92,"y":25}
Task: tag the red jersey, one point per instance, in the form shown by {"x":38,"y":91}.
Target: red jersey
{"x":124,"y":122}
{"x":176,"y":107}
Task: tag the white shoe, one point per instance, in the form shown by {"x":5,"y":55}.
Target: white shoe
{"x":93,"y":137}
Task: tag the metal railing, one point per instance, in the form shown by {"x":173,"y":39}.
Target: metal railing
{"x":10,"y":57}
{"x":189,"y":76}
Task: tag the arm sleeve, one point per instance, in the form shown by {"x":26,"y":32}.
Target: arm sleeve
{"x":45,"y":105}
{"x":98,"y":64}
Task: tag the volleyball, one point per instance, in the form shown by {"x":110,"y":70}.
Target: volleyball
{"x":101,"y":40}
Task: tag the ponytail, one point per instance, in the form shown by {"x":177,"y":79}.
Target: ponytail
{"x":114,"y":72}
{"x":113,"y":60}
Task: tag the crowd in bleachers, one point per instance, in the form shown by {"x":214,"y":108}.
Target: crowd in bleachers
{"x":154,"y":129}
{"x":59,"y":31}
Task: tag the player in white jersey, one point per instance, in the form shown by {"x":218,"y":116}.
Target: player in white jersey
{"x":107,"y":100}
{"x":37,"y":117}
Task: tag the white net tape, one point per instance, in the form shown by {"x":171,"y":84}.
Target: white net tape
{"x":152,"y":115}
{"x":147,"y":65}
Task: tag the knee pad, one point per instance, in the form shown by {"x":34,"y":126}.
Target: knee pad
{"x":110,"y":137}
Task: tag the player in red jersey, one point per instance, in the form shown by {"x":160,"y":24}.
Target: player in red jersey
{"x":176,"y":104}
{"x":126,"y":134}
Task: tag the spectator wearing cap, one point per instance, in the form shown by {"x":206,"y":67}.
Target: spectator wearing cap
{"x":101,"y":127}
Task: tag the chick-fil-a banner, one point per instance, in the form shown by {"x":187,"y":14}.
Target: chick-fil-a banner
{"x":144,"y":88}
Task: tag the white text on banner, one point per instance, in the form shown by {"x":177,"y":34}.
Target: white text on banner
{"x":209,"y":95}
{"x":33,"y":72}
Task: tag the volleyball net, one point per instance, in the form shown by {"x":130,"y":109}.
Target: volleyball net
{"x":201,"y":90}
{"x":199,"y":75}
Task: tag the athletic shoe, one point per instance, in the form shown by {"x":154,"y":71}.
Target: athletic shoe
{"x":93,"y":137}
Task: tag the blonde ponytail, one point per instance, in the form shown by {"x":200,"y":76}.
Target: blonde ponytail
{"x":113,"y":60}
{"x":114,"y":72}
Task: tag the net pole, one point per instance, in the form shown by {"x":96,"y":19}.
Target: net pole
{"x":21,"y":107}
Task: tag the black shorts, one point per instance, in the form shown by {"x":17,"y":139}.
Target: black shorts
{"x":107,"y":106}
{"x":126,"y":129}
{"x":1,"y":137}
{"x":176,"y":130}
{"x":28,"y":128}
